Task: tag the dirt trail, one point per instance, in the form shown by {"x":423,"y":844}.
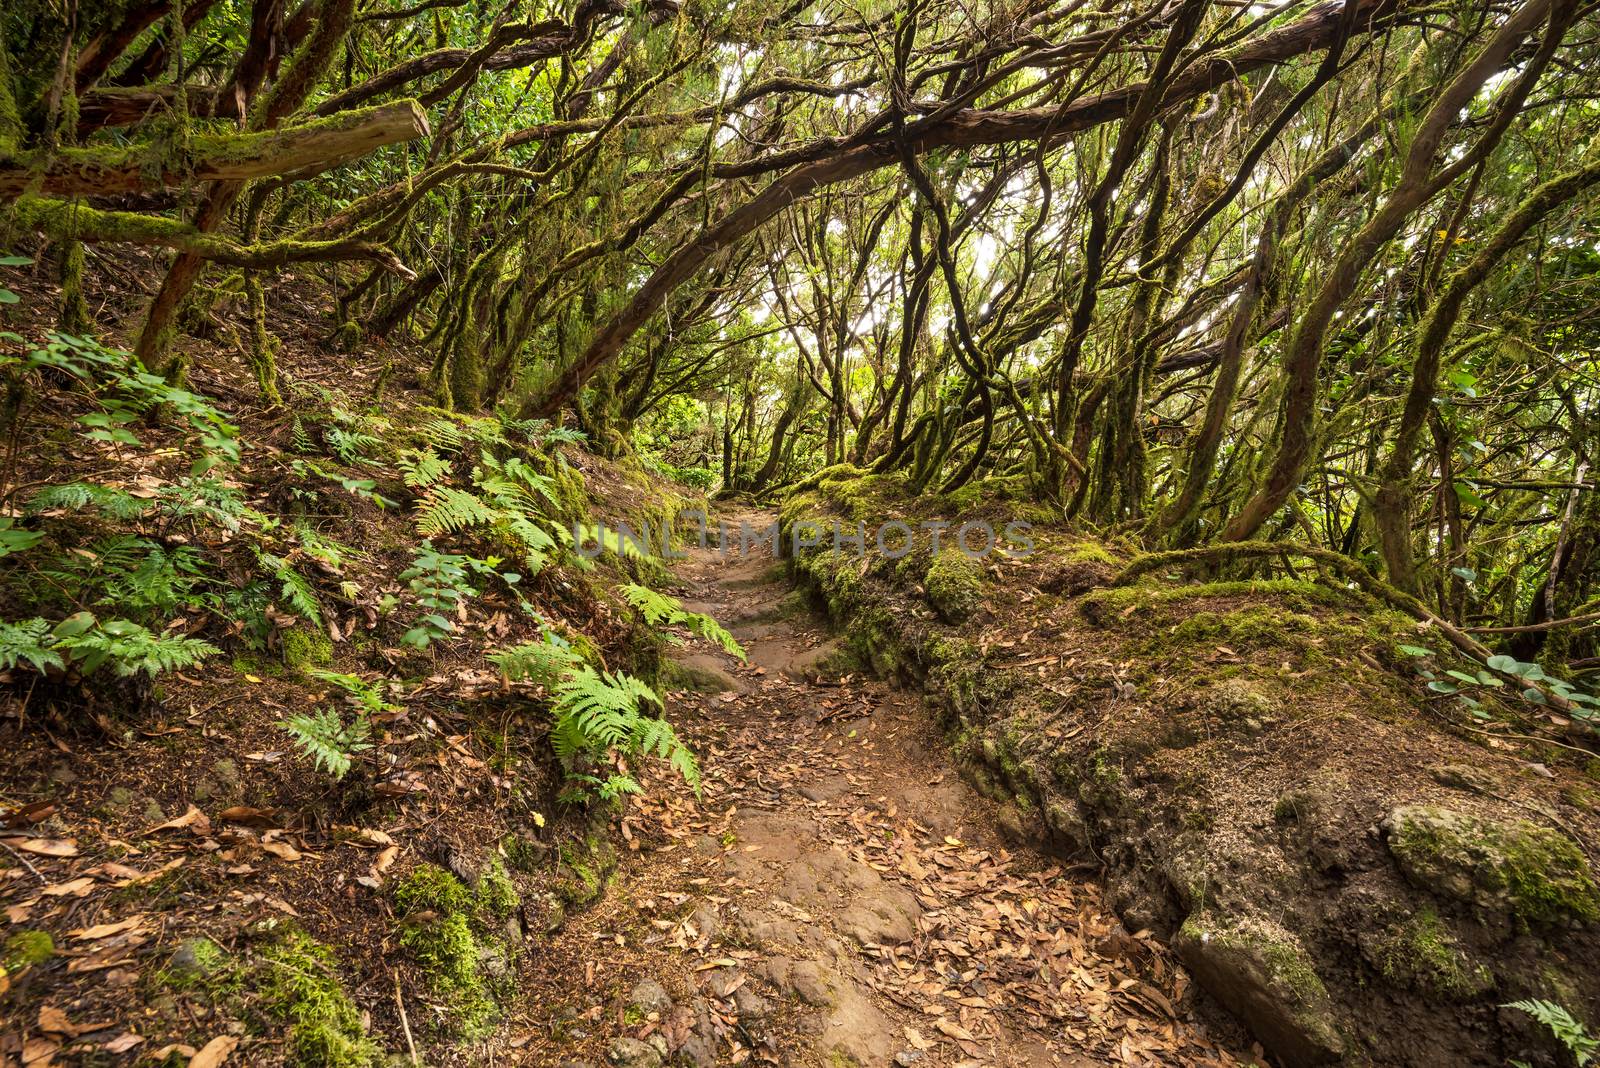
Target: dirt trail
{"x":839,"y":896}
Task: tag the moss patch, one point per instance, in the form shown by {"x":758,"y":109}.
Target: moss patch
{"x":305,"y":648}
{"x":299,"y":978}
{"x":452,"y":931}
{"x":1423,"y":954}
{"x":955,"y":586}
{"x":1514,"y":867}
{"x":26,"y":949}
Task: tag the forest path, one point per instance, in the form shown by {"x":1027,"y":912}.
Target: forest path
{"x":839,"y":896}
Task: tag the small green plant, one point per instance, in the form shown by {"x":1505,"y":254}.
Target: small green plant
{"x":368,"y":696}
{"x":328,"y":740}
{"x":1466,"y":686}
{"x":595,"y":713}
{"x":1568,"y":1031}
{"x":659,"y":610}
{"x":421,"y":468}
{"x":442,"y":585}
{"x":128,"y":648}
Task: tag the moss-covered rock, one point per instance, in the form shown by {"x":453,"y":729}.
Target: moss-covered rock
{"x":1510,"y":867}
{"x":586,"y":867}
{"x":955,"y":586}
{"x":1424,"y":955}
{"x":1262,"y":972}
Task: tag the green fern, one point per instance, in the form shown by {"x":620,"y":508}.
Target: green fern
{"x":596,"y":711}
{"x":1567,"y":1030}
{"x":447,"y":510}
{"x":421,"y":468}
{"x":28,"y":641}
{"x":543,"y":662}
{"x":126,"y":646}
{"x":659,"y":610}
{"x":294,"y":589}
{"x":328,"y":740}
{"x":79,"y":496}
{"x":366,"y":695}
{"x":444,"y":435}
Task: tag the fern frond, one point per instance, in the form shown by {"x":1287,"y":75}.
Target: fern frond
{"x":657,"y":608}
{"x":27,"y":640}
{"x":131,"y":649}
{"x":447,"y":509}
{"x":327,"y":740}
{"x":421,"y":468}
{"x":295,"y":590}
{"x":77,"y":496}
{"x":368,"y":695}
{"x":443,"y":435}
{"x":542,"y":662}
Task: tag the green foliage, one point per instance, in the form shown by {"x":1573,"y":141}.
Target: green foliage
{"x":78,"y":496}
{"x":660,"y":610}
{"x":28,"y":641}
{"x":294,"y":589}
{"x":442,"y":585}
{"x":368,"y":696}
{"x":450,"y":510}
{"x":1568,"y":1031}
{"x":328,"y":740}
{"x":128,"y":648}
{"x":544,"y":662}
{"x":421,"y":468}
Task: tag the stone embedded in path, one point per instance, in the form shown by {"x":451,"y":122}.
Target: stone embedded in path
{"x":649,"y":996}
{"x":631,"y":1053}
{"x":886,"y":915}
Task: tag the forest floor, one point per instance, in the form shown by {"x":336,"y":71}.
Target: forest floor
{"x":839,"y":895}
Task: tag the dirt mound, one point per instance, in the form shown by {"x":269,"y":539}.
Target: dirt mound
{"x":1357,"y":874}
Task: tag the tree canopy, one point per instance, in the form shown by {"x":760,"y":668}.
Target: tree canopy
{"x":1192,"y":271}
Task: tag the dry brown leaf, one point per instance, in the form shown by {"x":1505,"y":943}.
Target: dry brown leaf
{"x":214,"y":1052}
{"x":193,"y":819}
{"x":281,"y":850}
{"x":54,"y":1022}
{"x":250,"y":817}
{"x":47,"y":847}
{"x":123,"y":1043}
{"x":75,"y":888}
{"x":106,"y":930}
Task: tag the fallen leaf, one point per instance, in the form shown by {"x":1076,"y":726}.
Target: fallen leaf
{"x":214,"y":1052}
{"x":106,"y":930}
{"x":250,"y":817}
{"x":75,"y":888}
{"x":48,"y":847}
{"x":193,"y":819}
{"x":123,"y":1043}
{"x":282,"y":850}
{"x":53,"y":1021}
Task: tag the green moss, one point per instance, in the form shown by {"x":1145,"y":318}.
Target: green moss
{"x":299,"y":979}
{"x":305,"y":647}
{"x":198,"y":962}
{"x":496,"y":894}
{"x":676,"y":675}
{"x":441,"y":935}
{"x":1087,"y":552}
{"x":1422,"y":953}
{"x":1288,"y":593}
{"x":955,"y":585}
{"x":586,"y":867}
{"x":1532,"y":873}
{"x":25,"y":949}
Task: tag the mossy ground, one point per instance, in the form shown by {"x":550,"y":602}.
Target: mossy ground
{"x":453,"y":931}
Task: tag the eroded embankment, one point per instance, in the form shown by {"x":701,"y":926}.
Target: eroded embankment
{"x":1355,"y":875}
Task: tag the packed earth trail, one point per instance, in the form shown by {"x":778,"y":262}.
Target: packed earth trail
{"x":837,"y":895}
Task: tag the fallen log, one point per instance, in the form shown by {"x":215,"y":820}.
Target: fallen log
{"x":309,"y":147}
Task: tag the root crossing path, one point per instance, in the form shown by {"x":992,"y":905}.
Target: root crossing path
{"x":838,"y":895}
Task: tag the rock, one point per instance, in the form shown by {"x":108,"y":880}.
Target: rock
{"x":1463,"y":777}
{"x":649,"y":996}
{"x":1262,"y":973}
{"x":706,"y":922}
{"x":886,"y":916}
{"x":1508,"y":867}
{"x":806,"y":979}
{"x":907,"y":1057}
{"x":749,"y":1005}
{"x":631,"y":1053}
